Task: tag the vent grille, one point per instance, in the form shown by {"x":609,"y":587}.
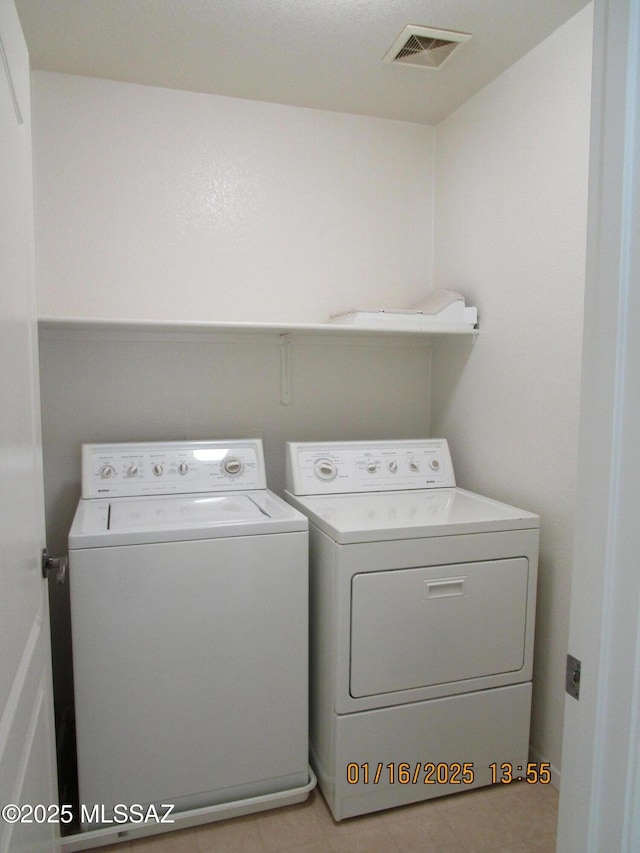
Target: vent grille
{"x":425,"y":47}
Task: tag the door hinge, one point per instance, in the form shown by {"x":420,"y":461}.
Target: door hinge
{"x":572,"y":681}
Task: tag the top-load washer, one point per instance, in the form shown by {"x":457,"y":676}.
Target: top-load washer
{"x":189,"y":610}
{"x":422,"y":624}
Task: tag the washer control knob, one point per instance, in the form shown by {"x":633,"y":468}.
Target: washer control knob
{"x":372,"y":467}
{"x":413,"y":466}
{"x":232,"y":466}
{"x":132,"y":471}
{"x":158,"y":470}
{"x":435,"y":464}
{"x":107,"y":471}
{"x":183,"y":468}
{"x":325,"y":470}
{"x":393,"y":466}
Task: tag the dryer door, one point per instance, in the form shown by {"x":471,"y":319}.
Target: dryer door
{"x":421,"y":627}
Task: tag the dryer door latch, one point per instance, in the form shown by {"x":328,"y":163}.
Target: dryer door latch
{"x":572,"y":682}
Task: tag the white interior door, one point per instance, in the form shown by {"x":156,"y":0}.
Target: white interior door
{"x":600,"y":793}
{"x":27,"y":754}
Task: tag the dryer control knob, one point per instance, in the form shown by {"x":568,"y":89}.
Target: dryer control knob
{"x":132,"y":471}
{"x":107,"y":471}
{"x":393,"y":466}
{"x":325,"y":470}
{"x":158,"y":470}
{"x":372,"y":467}
{"x":414,"y":466}
{"x":434,"y":464}
{"x":183,"y":468}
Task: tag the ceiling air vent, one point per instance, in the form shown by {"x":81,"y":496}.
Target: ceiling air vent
{"x":425,"y":47}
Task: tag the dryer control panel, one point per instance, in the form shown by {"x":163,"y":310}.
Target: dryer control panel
{"x":179,"y":467}
{"x":368,"y":466}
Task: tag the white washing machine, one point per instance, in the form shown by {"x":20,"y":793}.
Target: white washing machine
{"x":422,"y":624}
{"x":189,"y":608}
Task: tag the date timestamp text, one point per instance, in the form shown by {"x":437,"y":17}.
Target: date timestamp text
{"x":453,"y":773}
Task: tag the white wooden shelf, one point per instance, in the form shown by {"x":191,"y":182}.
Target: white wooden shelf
{"x":281,"y":333}
{"x":204,"y":329}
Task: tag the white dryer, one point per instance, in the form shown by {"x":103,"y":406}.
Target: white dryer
{"x":422,"y":624}
{"x":189,"y":609}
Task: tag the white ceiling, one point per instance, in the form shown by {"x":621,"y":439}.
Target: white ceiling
{"x":325,"y":54}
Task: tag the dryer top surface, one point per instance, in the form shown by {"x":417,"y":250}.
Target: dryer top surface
{"x":383,"y":516}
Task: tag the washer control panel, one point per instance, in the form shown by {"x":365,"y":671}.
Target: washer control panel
{"x":368,"y":466}
{"x":180,"y":467}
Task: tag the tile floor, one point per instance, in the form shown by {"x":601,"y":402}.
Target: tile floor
{"x":517,"y":818}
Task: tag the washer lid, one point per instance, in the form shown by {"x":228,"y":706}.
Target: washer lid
{"x":380,"y":516}
{"x":139,"y":521}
